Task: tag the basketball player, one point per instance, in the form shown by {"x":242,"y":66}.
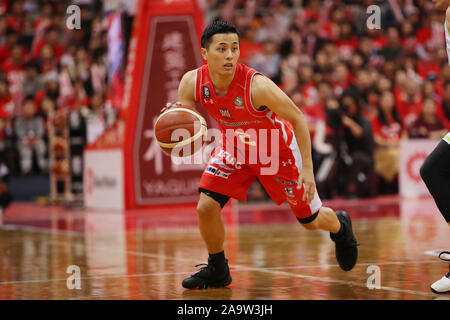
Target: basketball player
{"x":435,"y":171}
{"x":238,"y":97}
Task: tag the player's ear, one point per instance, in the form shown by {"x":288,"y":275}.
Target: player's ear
{"x":204,"y":53}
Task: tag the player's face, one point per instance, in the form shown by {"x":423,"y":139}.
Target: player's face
{"x":223,"y":53}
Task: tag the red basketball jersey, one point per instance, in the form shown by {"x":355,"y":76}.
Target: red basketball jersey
{"x":235,"y":111}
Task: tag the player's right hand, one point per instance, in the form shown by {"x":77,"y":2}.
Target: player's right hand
{"x":177,"y":104}
{"x":170,"y":105}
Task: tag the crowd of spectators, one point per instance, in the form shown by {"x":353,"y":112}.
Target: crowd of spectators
{"x":47,"y":68}
{"x":363,"y":90}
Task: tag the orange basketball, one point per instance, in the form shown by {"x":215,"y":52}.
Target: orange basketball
{"x":180,"y":131}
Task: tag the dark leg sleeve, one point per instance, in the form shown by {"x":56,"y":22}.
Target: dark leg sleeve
{"x":435,"y":172}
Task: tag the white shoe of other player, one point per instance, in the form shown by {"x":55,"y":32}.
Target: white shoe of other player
{"x":443,"y":284}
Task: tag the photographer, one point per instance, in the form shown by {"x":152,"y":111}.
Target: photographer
{"x":358,"y":172}
{"x":349,"y":169}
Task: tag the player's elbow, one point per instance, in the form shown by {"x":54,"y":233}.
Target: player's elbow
{"x":298,"y":119}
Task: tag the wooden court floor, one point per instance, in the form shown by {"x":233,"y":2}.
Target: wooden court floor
{"x":146,"y":254}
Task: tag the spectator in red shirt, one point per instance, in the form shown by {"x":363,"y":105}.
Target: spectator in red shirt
{"x":248,"y":47}
{"x":428,"y":125}
{"x":51,"y":89}
{"x":444,"y":111}
{"x":15,"y":61}
{"x":17,"y":17}
{"x":52,"y":39}
{"x":408,"y":38}
{"x":307,"y":84}
{"x":341,"y":78}
{"x":45,"y":19}
{"x":409,"y":101}
{"x":12,"y":39}
{"x":47,"y":61}
{"x":289,"y":81}
{"x":347,"y":41}
{"x":6,"y":103}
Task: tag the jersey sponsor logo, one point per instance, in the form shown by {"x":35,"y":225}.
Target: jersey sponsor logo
{"x":222,"y":174}
{"x":211,"y":170}
{"x":221,"y":164}
{"x":238,"y":103}
{"x":207,"y":96}
{"x":285,"y":181}
{"x":289,"y":192}
{"x":218,"y":173}
{"x":230,"y":159}
{"x":241,"y":123}
{"x":206,"y":92}
{"x":224,"y":112}
{"x":291,"y":201}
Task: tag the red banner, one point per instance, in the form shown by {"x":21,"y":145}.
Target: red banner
{"x":165,"y":45}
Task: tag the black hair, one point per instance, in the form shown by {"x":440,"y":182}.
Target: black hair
{"x":217,"y":26}
{"x":382,"y":117}
{"x":355,"y":96}
{"x":446,"y":83}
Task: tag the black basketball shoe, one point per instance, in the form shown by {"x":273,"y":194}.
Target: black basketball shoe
{"x":346,"y":245}
{"x":209,"y":276}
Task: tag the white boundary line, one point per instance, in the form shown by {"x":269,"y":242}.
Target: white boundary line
{"x":272,"y":270}
{"x":238,"y":268}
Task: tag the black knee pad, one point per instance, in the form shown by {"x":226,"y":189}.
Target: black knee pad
{"x":220,"y":198}
{"x":308,"y":219}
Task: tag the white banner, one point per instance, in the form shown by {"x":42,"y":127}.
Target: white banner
{"x":413,"y":152}
{"x":103,"y":179}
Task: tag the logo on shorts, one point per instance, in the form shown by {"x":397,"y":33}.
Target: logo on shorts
{"x":220,"y":163}
{"x":293,"y":202}
{"x":211,"y":170}
{"x":289,"y":192}
{"x":222,"y":174}
{"x":225,"y":113}
{"x":285,"y":181}
{"x":286,"y":162}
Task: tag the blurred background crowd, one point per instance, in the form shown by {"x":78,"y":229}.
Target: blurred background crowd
{"x":362,"y":90}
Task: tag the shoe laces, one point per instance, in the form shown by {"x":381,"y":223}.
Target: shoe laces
{"x":207,"y":268}
{"x":442,"y":253}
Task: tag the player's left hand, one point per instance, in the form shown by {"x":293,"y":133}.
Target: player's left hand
{"x":306,"y":179}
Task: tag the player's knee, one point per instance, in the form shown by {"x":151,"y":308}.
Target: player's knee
{"x":313,"y":225}
{"x":426,"y":170}
{"x":207,"y":207}
{"x":204,"y":209}
{"x":309,"y":223}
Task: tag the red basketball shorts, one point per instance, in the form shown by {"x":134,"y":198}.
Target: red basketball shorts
{"x":227,"y":176}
